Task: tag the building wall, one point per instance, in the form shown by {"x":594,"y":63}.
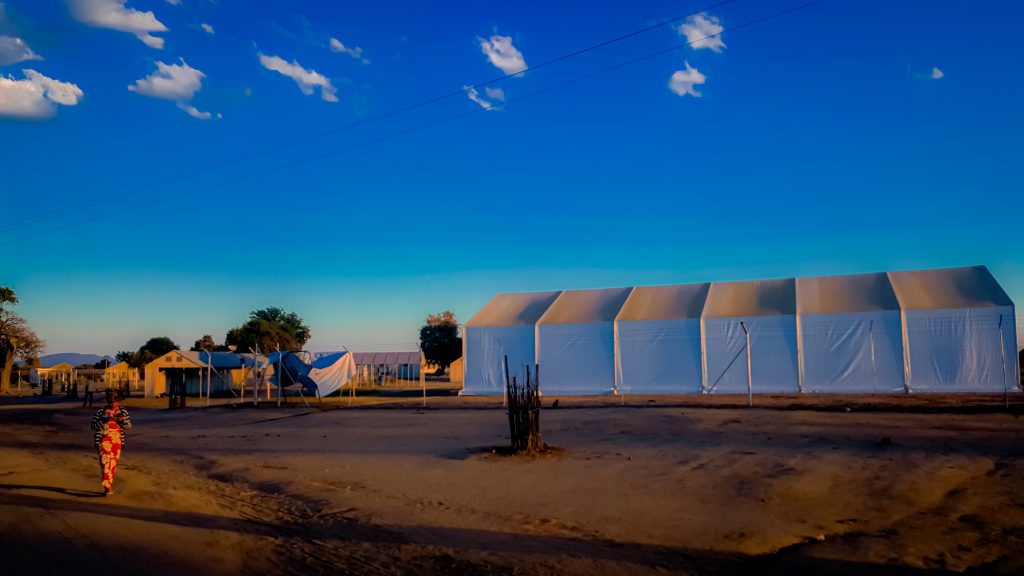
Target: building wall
{"x":455,"y":372}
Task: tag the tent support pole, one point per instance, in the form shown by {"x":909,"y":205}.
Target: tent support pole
{"x":423,"y":376}
{"x":799,"y":354}
{"x":874,"y":369}
{"x":1002,"y":360}
{"x":280,"y":378}
{"x":209,"y":376}
{"x":750,"y":377}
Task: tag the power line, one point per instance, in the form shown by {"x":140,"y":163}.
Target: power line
{"x":413,"y":129}
{"x":338,"y":129}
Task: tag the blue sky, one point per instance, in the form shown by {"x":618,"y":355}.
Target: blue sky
{"x":844,"y":137}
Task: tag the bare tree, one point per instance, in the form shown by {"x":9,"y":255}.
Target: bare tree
{"x":16,"y":338}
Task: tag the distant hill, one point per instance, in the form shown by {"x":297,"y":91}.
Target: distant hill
{"x":73,"y":358}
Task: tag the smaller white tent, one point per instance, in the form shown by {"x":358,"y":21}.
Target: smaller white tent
{"x":958,"y":329}
{"x":576,"y":342}
{"x":851,"y":338}
{"x":331,"y":371}
{"x":658,"y":337}
{"x":503,"y":327}
{"x":768,"y":310}
{"x":321,"y":376}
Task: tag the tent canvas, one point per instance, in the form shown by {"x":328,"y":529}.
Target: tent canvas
{"x":851,"y":338}
{"x":505,"y":326}
{"x":948,"y":330}
{"x":959,"y":330}
{"x":657,"y":333}
{"x":326,"y":374}
{"x":768,"y":310}
{"x":576,"y":342}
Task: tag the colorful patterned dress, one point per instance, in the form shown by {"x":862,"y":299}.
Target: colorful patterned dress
{"x":109,"y":425}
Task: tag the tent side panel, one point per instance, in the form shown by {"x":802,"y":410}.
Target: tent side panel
{"x":852,"y":353}
{"x":773,"y":355}
{"x":576,"y":358}
{"x":485,"y":350}
{"x":958,"y":350}
{"x":660,"y":357}
{"x":725,"y":356}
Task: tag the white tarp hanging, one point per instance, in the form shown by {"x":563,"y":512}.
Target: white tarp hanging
{"x":658,"y":340}
{"x":331,"y":371}
{"x":768,"y":310}
{"x":505,"y":326}
{"x":320,"y":376}
{"x":959,"y":329}
{"x":851,"y":337}
{"x":576,"y":342}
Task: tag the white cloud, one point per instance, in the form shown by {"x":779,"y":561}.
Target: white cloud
{"x":14,"y":50}
{"x":174,"y":2}
{"x":113,"y":14}
{"x":495,"y":93}
{"x":503,"y":54}
{"x":193,"y":112}
{"x":355,"y":52}
{"x":35,"y":96}
{"x":207,"y":28}
{"x":64,"y":93}
{"x":176,"y":82}
{"x":307,"y":80}
{"x":703,"y":31}
{"x":683,"y":81}
{"x":936,"y":74}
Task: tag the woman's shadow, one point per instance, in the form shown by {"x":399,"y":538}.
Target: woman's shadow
{"x":67,"y":491}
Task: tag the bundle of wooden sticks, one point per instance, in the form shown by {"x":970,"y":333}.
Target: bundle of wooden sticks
{"x":524,"y":410}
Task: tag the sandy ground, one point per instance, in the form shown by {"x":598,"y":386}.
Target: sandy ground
{"x":704,"y":485}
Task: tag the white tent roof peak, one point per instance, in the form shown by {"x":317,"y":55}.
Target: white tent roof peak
{"x":514,"y":309}
{"x":842,"y":294}
{"x":584,"y":306}
{"x":676,"y":302}
{"x":966,"y":287}
{"x":755,"y":298}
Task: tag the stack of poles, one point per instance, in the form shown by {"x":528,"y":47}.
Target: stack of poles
{"x":524,"y":411}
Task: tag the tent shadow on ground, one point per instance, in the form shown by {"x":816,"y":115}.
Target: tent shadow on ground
{"x":470,"y":541}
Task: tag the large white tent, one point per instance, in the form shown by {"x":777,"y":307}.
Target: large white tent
{"x":657,"y":335}
{"x":576,"y":342}
{"x":850,"y":333}
{"x":949,"y":330}
{"x":958,"y":330}
{"x":767,"y":309}
{"x":505,"y":326}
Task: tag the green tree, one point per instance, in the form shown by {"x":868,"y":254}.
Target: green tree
{"x":153,"y":348}
{"x":158,"y":346}
{"x":439,"y":339}
{"x":207,"y":343}
{"x":16,"y":338}
{"x":268,"y":328}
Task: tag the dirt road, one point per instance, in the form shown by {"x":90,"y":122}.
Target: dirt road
{"x":634,"y":490}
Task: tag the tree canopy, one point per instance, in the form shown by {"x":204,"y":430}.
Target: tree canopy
{"x":153,"y":348}
{"x":158,"y":346}
{"x":16,"y":338}
{"x":439,"y":339}
{"x":268,"y":328}
{"x":207,"y":343}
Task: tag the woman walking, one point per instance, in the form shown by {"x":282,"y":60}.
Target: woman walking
{"x":109,"y":425}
